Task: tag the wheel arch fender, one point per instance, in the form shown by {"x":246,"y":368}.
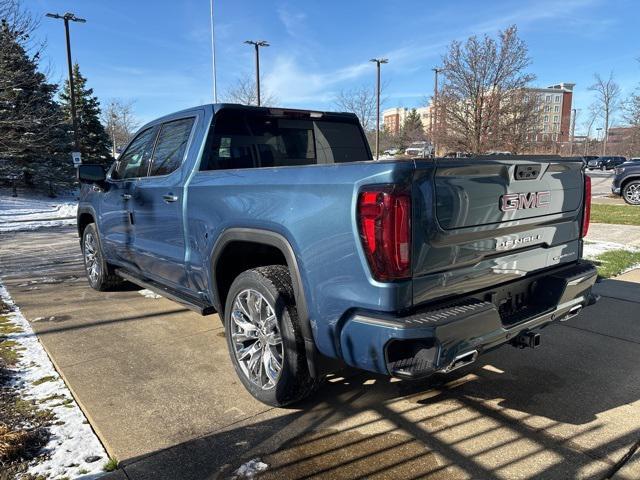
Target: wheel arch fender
{"x":280,"y":242}
{"x":86,"y":215}
{"x":627,"y":180}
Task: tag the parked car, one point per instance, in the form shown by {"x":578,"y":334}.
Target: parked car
{"x":419,"y":149}
{"x":457,"y":155}
{"x":605,"y":163}
{"x":498,"y":153}
{"x":587,"y":158}
{"x":626,"y":181}
{"x":316,"y":256}
{"x":392,"y":151}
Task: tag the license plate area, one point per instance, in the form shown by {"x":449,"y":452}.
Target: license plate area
{"x":519,"y":301}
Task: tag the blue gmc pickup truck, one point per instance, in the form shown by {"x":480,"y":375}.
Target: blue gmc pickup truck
{"x":316,"y":256}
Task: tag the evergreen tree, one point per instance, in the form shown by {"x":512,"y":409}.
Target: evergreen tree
{"x":33,"y":137}
{"x":412,"y":129}
{"x":95,"y":145}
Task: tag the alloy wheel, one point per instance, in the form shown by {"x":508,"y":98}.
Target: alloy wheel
{"x":632,"y":193}
{"x":91,"y":258}
{"x":256,"y":339}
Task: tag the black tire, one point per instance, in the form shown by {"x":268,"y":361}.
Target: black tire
{"x":631,"y":192}
{"x":294,"y":381}
{"x":103,"y":278}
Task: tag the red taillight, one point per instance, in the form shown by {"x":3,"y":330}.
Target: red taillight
{"x":586,"y":215}
{"x":384,"y":218}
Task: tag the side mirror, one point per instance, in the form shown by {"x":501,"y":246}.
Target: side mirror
{"x":92,"y":174}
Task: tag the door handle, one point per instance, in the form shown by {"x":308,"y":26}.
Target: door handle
{"x":170,"y":197}
{"x":126,"y":196}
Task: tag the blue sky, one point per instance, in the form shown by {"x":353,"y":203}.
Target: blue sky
{"x":157,"y":53}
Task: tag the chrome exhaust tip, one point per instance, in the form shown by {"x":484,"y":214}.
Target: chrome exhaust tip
{"x":461,"y":360}
{"x":573,"y":311}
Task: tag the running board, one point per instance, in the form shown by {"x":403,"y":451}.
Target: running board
{"x":190,"y":302}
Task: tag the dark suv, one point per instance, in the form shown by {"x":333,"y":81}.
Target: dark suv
{"x":626,"y":182}
{"x":605,"y":163}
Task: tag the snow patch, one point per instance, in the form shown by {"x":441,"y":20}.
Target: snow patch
{"x":72,"y":442}
{"x":250,"y":469}
{"x":31,"y":213}
{"x":149,"y":294}
{"x":591,"y":249}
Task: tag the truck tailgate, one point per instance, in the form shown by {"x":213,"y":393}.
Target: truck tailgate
{"x":479,"y":222}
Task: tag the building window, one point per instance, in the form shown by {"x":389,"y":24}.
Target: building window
{"x":557,"y":98}
{"x":555,"y":119}
{"x":546,"y":128}
{"x":556,"y":108}
{"x":548,"y":99}
{"x":546,"y":118}
{"x":526,"y":98}
{"x":545,"y":138}
{"x":555,"y":127}
{"x":547,"y":108}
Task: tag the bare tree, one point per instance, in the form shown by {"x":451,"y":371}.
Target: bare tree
{"x":591,"y":119}
{"x":16,"y":18}
{"x":361,"y":101}
{"x":120,"y":122}
{"x":607,"y":102}
{"x":243,"y":91}
{"x":483,"y":103}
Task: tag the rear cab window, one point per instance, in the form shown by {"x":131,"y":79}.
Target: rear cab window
{"x":245,"y":139}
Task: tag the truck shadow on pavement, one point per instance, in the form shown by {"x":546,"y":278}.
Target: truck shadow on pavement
{"x":566,"y":410}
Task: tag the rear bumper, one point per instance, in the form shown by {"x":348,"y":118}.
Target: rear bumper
{"x":436,"y":338}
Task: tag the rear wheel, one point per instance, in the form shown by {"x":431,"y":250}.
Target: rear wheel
{"x":99,"y":272}
{"x":264,"y":338}
{"x":631,"y":192}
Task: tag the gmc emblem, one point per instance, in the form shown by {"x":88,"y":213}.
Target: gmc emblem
{"x":521,"y":201}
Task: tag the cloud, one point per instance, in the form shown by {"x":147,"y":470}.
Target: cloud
{"x":294,"y":22}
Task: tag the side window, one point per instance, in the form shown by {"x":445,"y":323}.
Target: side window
{"x":171,"y":146}
{"x":134,"y":161}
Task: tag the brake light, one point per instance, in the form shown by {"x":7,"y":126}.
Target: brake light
{"x":384,"y":220}
{"x":586,"y":214}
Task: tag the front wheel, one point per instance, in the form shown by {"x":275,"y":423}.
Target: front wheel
{"x":264,"y":338}
{"x":99,"y":272}
{"x":631,"y":192}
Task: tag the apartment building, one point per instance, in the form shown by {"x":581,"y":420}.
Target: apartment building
{"x":554,"y":103}
{"x":393,"y":118}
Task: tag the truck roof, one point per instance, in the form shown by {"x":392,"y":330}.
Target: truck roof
{"x":273,"y":110}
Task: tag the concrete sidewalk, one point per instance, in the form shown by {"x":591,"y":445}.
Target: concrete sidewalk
{"x":623,"y":234}
{"x":156,"y":384}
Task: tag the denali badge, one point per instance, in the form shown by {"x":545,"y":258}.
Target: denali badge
{"x":521,"y":201}
{"x":516,"y":242}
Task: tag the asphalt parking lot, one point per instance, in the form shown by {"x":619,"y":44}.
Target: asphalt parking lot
{"x":601,"y":182}
{"x":156,"y":383}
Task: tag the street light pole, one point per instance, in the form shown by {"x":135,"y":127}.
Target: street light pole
{"x":70,"y":17}
{"x":213,"y":57}
{"x":114,"y":119}
{"x":598,"y":135}
{"x":573,"y":131}
{"x":378,"y":62}
{"x":434,"y":113}
{"x":257,"y":45}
